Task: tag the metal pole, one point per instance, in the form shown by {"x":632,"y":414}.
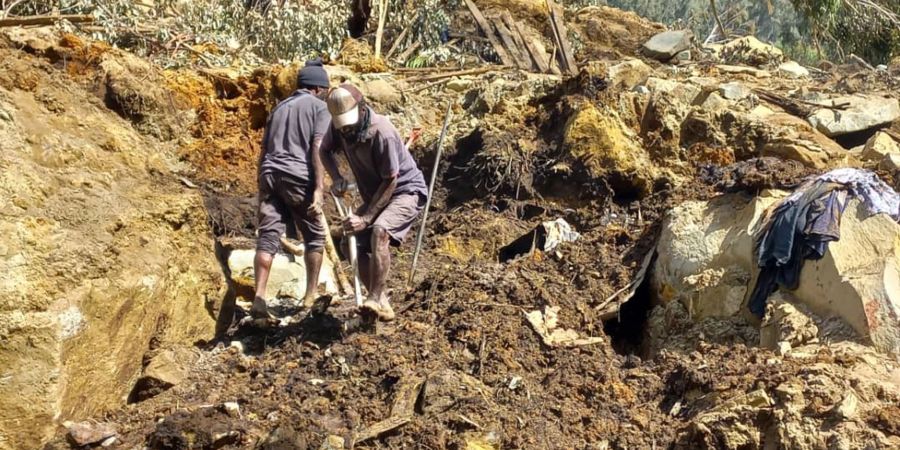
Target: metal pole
{"x":434,"y":171}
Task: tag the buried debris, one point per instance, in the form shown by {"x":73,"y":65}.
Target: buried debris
{"x":546,"y":237}
{"x":545,"y":325}
{"x":88,"y":433}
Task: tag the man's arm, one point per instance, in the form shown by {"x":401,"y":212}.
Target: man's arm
{"x":326,"y":155}
{"x":379,"y":201}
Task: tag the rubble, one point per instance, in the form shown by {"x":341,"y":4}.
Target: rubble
{"x":879,"y":147}
{"x":749,"y":50}
{"x":545,"y":324}
{"x":792,"y":69}
{"x":87,"y":433}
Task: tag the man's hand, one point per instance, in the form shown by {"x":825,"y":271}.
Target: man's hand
{"x":354,"y":224}
{"x":315,"y":207}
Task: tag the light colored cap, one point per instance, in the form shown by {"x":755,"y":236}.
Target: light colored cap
{"x":343,"y":103}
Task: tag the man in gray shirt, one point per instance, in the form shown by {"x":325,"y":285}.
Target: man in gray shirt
{"x":291,"y":180}
{"x":391,"y":185}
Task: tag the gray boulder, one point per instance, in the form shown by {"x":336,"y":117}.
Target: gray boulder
{"x":664,"y":46}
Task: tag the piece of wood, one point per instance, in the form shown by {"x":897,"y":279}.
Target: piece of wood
{"x":511,"y":48}
{"x":409,"y":51}
{"x":397,"y":43}
{"x":331,"y":252}
{"x":382,"y":16}
{"x":458,"y":73}
{"x":488,"y":32}
{"x":406,"y":396}
{"x":561,"y":35}
{"x":379,"y":428}
{"x":521,"y":51}
{"x":540,"y":59}
{"x":715,"y":12}
{"x":44,"y":20}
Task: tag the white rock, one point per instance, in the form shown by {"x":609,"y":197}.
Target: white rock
{"x":458,"y":84}
{"x":232,"y":409}
{"x":628,"y":73}
{"x":734,"y":91}
{"x":864,"y":112}
{"x":792,"y":69}
{"x":848,"y":407}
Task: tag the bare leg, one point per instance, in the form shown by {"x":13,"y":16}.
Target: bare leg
{"x":262,"y":265}
{"x":313,"y":259}
{"x":365,"y":275}
{"x":379,"y":269}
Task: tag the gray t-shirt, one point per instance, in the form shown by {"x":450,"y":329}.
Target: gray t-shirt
{"x":290,"y":132}
{"x":379,"y":155}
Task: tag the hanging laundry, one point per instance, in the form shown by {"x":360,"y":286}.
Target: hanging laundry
{"x":803,"y":224}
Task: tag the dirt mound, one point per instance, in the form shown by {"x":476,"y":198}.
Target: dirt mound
{"x":611,"y":33}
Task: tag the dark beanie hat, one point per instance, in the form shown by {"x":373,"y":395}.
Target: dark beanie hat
{"x":313,"y":74}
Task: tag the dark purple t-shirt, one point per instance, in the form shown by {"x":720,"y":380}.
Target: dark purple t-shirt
{"x":380,"y":154}
{"x":291,"y":130}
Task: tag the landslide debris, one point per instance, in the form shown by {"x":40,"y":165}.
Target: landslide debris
{"x":612,"y":151}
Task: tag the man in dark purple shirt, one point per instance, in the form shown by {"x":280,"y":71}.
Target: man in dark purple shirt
{"x":291,"y":181}
{"x":392,"y":187}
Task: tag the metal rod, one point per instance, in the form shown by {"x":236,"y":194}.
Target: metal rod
{"x":434,"y":171}
{"x":351,"y":242}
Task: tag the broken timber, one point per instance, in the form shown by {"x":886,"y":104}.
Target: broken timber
{"x":509,"y":40}
{"x":561,"y":36}
{"x":44,"y":20}
{"x":486,"y":29}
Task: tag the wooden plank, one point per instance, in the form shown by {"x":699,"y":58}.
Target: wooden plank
{"x":521,"y":48}
{"x":379,"y":428}
{"x":457,"y":73}
{"x":561,"y":34}
{"x":510,"y":43}
{"x":489,"y":33}
{"x":540,"y":59}
{"x":44,"y":20}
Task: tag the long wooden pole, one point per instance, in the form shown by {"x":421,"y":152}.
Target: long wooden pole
{"x":382,"y":15}
{"x":434,"y":171}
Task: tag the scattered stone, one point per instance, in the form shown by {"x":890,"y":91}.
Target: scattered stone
{"x":381,"y":92}
{"x":628,"y":73}
{"x":546,"y":326}
{"x":87,"y":433}
{"x":664,"y":46}
{"x":750,"y":50}
{"x":794,"y":139}
{"x":714,"y":102}
{"x":864,"y":112}
{"x":890,"y":163}
{"x":232,"y":409}
{"x":684,"y":92}
{"x":109,"y":442}
{"x":785,"y":327}
{"x":238,"y":345}
{"x":879,"y":146}
{"x":792,"y":69}
{"x":458,"y":84}
{"x":758,"y":73}
{"x":332,"y":442}
{"x":166,"y":369}
{"x":848,"y":407}
{"x":683,"y":57}
{"x":734,"y":91}
{"x":5,"y":116}
{"x":641,"y":90}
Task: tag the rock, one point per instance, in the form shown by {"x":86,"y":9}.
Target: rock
{"x":458,"y":84}
{"x":381,"y":92}
{"x":5,"y":115}
{"x":87,"y":433}
{"x":287,"y":278}
{"x":545,"y":325}
{"x":714,"y":103}
{"x":792,"y":69}
{"x":641,"y":90}
{"x":166,"y":369}
{"x":606,"y":147}
{"x":664,"y":46}
{"x":858,"y":279}
{"x":758,"y":73}
{"x":232,"y":409}
{"x":864,"y":112}
{"x":628,"y":73}
{"x":848,"y":407}
{"x":750,"y":50}
{"x":879,"y":146}
{"x":792,"y":138}
{"x":734,"y":91}
{"x":683,"y":57}
{"x":332,"y":442}
{"x":890,"y":163}
{"x":784,"y":327}
{"x":686,"y":93}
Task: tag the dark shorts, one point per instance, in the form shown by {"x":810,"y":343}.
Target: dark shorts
{"x":397,"y":219}
{"x":283,"y":198}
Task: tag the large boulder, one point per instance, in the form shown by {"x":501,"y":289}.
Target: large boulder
{"x":863,"y":112}
{"x":879,"y":147}
{"x":664,"y":46}
{"x":794,"y":139}
{"x":628,"y":73}
{"x":750,"y":50}
{"x":706,"y":262}
{"x":605,"y":147}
